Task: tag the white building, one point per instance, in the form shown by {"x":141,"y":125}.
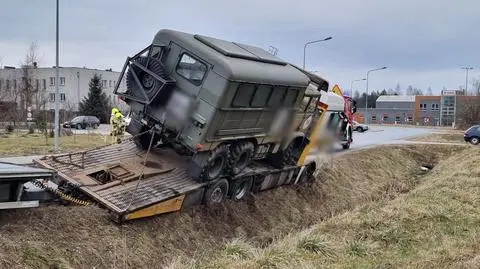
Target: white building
{"x":73,"y":85}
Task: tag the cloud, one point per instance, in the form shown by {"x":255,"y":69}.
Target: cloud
{"x":423,"y":43}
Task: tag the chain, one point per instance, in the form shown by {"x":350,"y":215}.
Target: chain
{"x":62,"y":195}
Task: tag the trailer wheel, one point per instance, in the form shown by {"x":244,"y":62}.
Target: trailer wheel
{"x":216,"y":193}
{"x":240,"y":188}
{"x":148,"y":82}
{"x":240,"y":157}
{"x":216,"y":163}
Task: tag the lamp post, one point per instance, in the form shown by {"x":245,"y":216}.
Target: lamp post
{"x":311,"y":42}
{"x":466,"y":79}
{"x":57,"y":93}
{"x":366,"y":95}
{"x":351,"y":86}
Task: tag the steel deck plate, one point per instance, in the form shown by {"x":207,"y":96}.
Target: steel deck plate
{"x":124,"y":197}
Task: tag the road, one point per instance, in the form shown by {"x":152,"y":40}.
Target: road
{"x":377,"y":135}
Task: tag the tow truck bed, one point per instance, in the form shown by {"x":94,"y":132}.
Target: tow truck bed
{"x":111,"y":176}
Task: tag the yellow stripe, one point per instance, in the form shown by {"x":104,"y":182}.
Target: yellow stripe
{"x":171,"y":205}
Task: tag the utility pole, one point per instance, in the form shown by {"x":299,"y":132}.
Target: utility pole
{"x":311,"y":42}
{"x":57,"y":91}
{"x":466,"y":79}
{"x":366,"y":94}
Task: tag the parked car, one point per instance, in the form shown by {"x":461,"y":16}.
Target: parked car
{"x":82,"y":122}
{"x":359,"y":127}
{"x":472,"y":135}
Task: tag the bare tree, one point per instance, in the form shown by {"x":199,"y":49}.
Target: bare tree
{"x":29,"y":91}
{"x":429,"y":91}
{"x":469,"y":112}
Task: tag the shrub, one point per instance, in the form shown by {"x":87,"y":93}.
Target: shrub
{"x":9,"y":128}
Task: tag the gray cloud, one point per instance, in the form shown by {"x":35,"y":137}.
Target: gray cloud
{"x":423,"y":42}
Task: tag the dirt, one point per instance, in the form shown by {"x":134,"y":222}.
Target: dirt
{"x":84,"y":237}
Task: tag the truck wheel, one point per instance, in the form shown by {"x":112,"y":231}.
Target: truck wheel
{"x":240,"y":188}
{"x":216,"y":163}
{"x":149,"y":83}
{"x":240,"y":157}
{"x":475,"y":140}
{"x":216,"y":193}
{"x":143,"y":141}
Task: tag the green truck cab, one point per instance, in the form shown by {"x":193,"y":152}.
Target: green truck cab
{"x":222,"y":103}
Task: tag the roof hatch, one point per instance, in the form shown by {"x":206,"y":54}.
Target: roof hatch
{"x":237,"y":50}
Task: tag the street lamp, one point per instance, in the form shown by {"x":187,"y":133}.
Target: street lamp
{"x":366,"y":95}
{"x":57,"y":91}
{"x":466,"y":79}
{"x":311,"y":42}
{"x":351,"y":86}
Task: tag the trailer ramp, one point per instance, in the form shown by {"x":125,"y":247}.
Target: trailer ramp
{"x":126,"y":181}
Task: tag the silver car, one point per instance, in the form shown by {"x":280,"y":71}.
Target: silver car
{"x":359,"y":127}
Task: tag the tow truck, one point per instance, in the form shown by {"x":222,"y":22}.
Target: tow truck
{"x":135,"y":183}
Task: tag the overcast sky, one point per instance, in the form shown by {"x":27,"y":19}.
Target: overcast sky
{"x":423,"y":42}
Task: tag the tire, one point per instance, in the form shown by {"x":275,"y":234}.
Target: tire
{"x":216,"y":193}
{"x":346,"y":146}
{"x":475,"y":140}
{"x":78,"y":126}
{"x":149,"y":83}
{"x":360,"y":129}
{"x":95,"y":126}
{"x":216,"y":163}
{"x":307,"y":174}
{"x":240,"y":188}
{"x":240,"y":156}
{"x":288,"y":156}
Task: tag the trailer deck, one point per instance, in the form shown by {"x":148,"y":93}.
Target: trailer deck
{"x":111,"y":176}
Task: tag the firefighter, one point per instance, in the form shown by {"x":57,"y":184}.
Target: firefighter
{"x":118,"y":128}
{"x":112,"y":122}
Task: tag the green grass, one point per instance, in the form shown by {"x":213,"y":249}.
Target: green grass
{"x":36,"y":144}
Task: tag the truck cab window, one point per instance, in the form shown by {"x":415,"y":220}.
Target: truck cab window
{"x":243,"y":95}
{"x":290,"y":97}
{"x":191,"y":69}
{"x":261,"y":96}
{"x":276,"y":97}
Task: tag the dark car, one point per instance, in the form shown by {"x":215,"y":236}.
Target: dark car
{"x":82,"y":122}
{"x":472,"y":135}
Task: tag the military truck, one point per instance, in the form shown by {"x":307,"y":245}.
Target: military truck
{"x":222,"y":103}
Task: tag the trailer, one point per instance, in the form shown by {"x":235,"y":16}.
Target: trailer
{"x":13,"y":193}
{"x":135,"y":183}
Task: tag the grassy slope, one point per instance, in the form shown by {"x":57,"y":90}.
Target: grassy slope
{"x":437,"y":225}
{"x":456,"y":137}
{"x":83,"y":237}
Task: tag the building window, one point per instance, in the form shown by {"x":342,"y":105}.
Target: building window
{"x":52,"y":97}
{"x":44,"y":84}
{"x":1,"y":83}
{"x":109,"y":83}
{"x":410,"y":118}
{"x":397,"y":118}
{"x":8,"y":84}
{"x":62,"y":97}
{"x":423,"y":107}
{"x":62,"y":81}
{"x":52,"y":81}
{"x":14,"y":84}
{"x":114,"y":83}
{"x":374,"y":117}
{"x":385,"y":117}
{"x":104,"y":83}
{"x":37,"y":84}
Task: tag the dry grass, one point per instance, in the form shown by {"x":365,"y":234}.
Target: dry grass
{"x":453,"y":137}
{"x":36,"y":144}
{"x":436,"y":225}
{"x":270,"y":230}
